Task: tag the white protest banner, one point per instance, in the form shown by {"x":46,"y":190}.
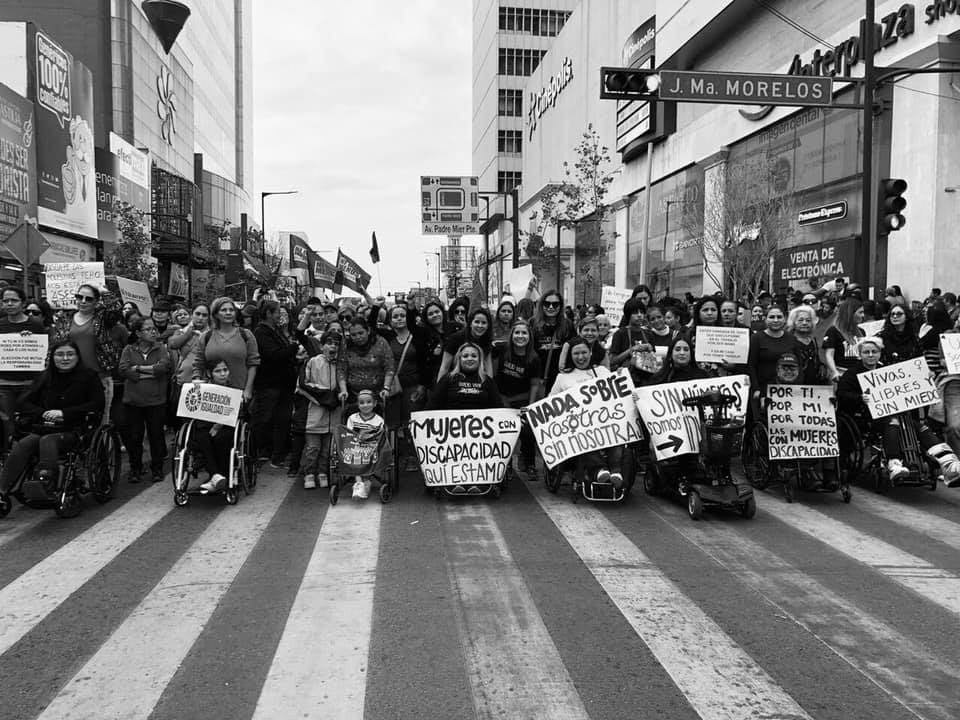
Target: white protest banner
{"x":612,"y":300}
{"x":893,"y":389}
{"x":137,"y":293}
{"x":63,"y":279}
{"x":594,"y":415}
{"x":716,"y":344}
{"x":801,"y":422}
{"x":675,"y":429}
{"x":871,"y":327}
{"x":218,"y":404}
{"x":950,"y":346}
{"x":23,"y":353}
{"x":464,"y":447}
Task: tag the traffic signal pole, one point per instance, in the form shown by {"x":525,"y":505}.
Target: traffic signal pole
{"x":867,"y":265}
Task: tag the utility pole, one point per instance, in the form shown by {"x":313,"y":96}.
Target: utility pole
{"x":868,"y":243}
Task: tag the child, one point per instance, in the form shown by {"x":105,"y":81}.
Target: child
{"x":367,"y":424}
{"x":215,"y":441}
{"x":318,"y":385}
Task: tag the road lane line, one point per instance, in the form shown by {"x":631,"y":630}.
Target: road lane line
{"x":920,"y":521}
{"x":320,"y":667}
{"x":513,"y":666}
{"x":937,"y":585}
{"x":910,"y":674}
{"x":127,"y":675}
{"x":718,"y":678}
{"x":36,"y":593}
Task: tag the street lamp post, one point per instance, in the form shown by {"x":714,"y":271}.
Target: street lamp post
{"x":263,"y":219}
{"x":437,"y":254}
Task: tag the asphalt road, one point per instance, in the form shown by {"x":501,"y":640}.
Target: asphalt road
{"x":529,"y":606}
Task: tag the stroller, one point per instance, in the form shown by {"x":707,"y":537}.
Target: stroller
{"x":354,"y":454}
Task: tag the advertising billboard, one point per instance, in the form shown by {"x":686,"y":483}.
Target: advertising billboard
{"x":116,"y":182}
{"x":18,"y":161}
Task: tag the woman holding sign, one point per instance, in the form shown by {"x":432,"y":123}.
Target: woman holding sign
{"x":519,"y":381}
{"x":766,"y":347}
{"x":638,"y":347}
{"x":13,"y":383}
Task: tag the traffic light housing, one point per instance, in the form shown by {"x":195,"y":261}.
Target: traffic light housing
{"x":618,"y":83}
{"x":891,"y":204}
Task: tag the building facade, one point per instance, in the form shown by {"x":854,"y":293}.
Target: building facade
{"x":810,"y":159}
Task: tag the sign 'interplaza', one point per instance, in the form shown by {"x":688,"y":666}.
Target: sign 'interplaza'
{"x":744,"y":88}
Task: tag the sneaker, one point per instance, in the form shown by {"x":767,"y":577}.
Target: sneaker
{"x":309,"y":482}
{"x":134,"y":476}
{"x":322,"y":480}
{"x":896,"y":469}
{"x":213,"y":484}
{"x":358,"y":488}
{"x":277,"y":465}
{"x":603,"y":476}
{"x":616,"y":479}
{"x":364,"y":489}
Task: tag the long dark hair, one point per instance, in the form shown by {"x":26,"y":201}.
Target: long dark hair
{"x":443,"y":315}
{"x":564,"y":327}
{"x":509,"y":352}
{"x":52,"y":367}
{"x":568,"y":366}
{"x":487,"y":336}
{"x":698,"y":306}
{"x":666,"y":373}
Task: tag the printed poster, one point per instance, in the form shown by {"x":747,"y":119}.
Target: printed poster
{"x":801,"y":422}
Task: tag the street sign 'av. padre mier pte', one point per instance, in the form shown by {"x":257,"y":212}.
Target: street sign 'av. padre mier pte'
{"x":745,"y":88}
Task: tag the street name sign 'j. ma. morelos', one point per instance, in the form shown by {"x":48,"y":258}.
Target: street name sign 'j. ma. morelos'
{"x":745,"y":88}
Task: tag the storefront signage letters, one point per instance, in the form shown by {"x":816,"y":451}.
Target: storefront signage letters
{"x":824,"y":213}
{"x":547,"y":97}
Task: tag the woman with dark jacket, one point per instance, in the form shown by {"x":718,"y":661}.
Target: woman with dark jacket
{"x":550,"y":331}
{"x":434,"y":328}
{"x":899,"y":337}
{"x":56,"y":406}
{"x":938,"y":322}
{"x":273,"y":386}
{"x":457,"y":313}
{"x":467,"y":386}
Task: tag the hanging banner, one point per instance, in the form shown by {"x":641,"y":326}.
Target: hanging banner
{"x":675,"y":429}
{"x":894,"y":389}
{"x":594,"y":415}
{"x":716,"y":344}
{"x":23,"y":353}
{"x":612,"y":300}
{"x":136,"y":292}
{"x":63,"y":279}
{"x":18,"y":162}
{"x":950,"y":346}
{"x":801,"y":422}
{"x":464,"y":447}
{"x":218,"y":404}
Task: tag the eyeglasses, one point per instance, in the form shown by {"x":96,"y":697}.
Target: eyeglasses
{"x":33,"y":312}
{"x":84,"y":298}
{"x":460,"y":312}
{"x":551,"y":304}
{"x":897,"y":314}
{"x":64,"y":355}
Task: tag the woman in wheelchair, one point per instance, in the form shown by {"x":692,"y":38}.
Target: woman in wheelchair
{"x":852,"y":400}
{"x":215,"y":442}
{"x":55,"y":409}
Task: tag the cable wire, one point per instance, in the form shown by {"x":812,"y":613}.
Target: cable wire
{"x":793,"y":23}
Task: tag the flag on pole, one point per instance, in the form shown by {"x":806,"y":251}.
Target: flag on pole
{"x":375,"y":250}
{"x":354,"y":276}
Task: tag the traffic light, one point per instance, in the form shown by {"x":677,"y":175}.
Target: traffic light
{"x":628,"y":84}
{"x":891,"y":205}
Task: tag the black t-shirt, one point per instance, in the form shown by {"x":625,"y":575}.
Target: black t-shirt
{"x":465,"y":392}
{"x":453,"y":342}
{"x":845,"y":354}
{"x":515,"y":374}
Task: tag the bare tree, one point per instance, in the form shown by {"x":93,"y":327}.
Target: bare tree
{"x":130,"y":258}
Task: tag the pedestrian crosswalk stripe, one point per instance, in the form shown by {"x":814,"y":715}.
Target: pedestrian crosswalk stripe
{"x":320,"y":665}
{"x":127,"y":675}
{"x":935,"y":584}
{"x":20,"y":522}
{"x":719,"y":679}
{"x":513,"y":666}
{"x":926,"y":523}
{"x":913,"y":676}
{"x":35,"y":594}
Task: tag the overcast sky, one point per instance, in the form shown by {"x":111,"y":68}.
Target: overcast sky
{"x":353,"y":101}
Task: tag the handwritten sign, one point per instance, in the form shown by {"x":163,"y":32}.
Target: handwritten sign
{"x":894,"y":389}
{"x":717,"y":344}
{"x":23,"y":353}
{"x":594,"y":415}
{"x":950,"y":347}
{"x":218,"y":404}
{"x":612,"y":300}
{"x":464,"y":447}
{"x":871,"y":327}
{"x":63,"y":280}
{"x":136,"y":292}
{"x":675,"y":429}
{"x":801,"y":422}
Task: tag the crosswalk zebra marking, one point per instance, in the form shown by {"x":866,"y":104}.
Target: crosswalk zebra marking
{"x":913,"y":677}
{"x":20,"y":522}
{"x":128,"y":674}
{"x":937,"y":585}
{"x":926,"y":523}
{"x":320,"y":665}
{"x":35,"y":594}
{"x":718,"y":678}
{"x":513,"y":666}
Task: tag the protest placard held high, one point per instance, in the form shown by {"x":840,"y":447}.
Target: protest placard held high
{"x":894,"y":389}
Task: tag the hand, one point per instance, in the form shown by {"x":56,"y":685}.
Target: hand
{"x":417,"y":394}
{"x":866,"y":398}
{"x":343,"y":397}
{"x":214,"y":430}
{"x":756,"y":394}
{"x":247,"y":395}
{"x":24,"y":333}
{"x":384,"y":394}
{"x":53,"y":416}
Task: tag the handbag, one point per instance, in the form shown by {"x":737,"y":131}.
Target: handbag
{"x":395,"y":387}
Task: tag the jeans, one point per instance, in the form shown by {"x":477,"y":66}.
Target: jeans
{"x":9,"y":394}
{"x":270,"y":419}
{"x":316,"y":454}
{"x":151,"y":418}
{"x":214,"y":448}
{"x":50,"y":448}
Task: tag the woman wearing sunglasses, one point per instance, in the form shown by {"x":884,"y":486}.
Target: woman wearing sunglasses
{"x":551,"y":330}
{"x":14,"y":321}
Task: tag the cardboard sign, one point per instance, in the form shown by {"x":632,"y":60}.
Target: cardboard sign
{"x":612,"y":300}
{"x":218,"y":404}
{"x":894,"y":389}
{"x":464,"y":447}
{"x":594,"y":415}
{"x":136,"y":292}
{"x":717,"y":344}
{"x":801,"y":422}
{"x":871,"y":327}
{"x":23,"y":353}
{"x":950,"y":347}
{"x":63,"y":280}
{"x":675,"y":429}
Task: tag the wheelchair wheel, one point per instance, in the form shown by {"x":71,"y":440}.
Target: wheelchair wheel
{"x":749,"y":508}
{"x":335,"y":493}
{"x":247,"y":467}
{"x":850,"y":440}
{"x":67,"y":498}
{"x":232,"y":495}
{"x":755,"y":458}
{"x":845,"y":494}
{"x":694,"y":505}
{"x":5,"y":505}
{"x":180,"y":498}
{"x":386,"y":493}
{"x":552,"y":480}
{"x":103,"y":463}
{"x":791,"y":484}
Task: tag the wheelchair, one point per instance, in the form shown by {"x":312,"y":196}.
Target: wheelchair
{"x":188,"y":461}
{"x":352,"y":456}
{"x":795,"y":475}
{"x":862,"y":446}
{"x":585,"y":482}
{"x":91,"y":467}
{"x":705,"y":479}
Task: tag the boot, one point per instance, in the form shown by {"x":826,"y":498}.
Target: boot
{"x":949,"y":463}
